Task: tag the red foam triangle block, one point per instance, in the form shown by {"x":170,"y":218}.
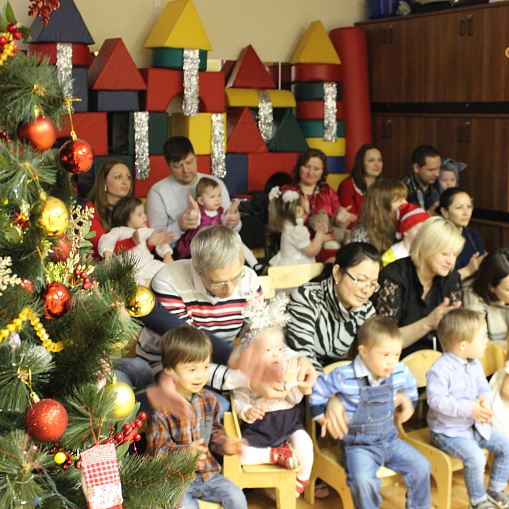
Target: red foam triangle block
{"x":243,"y":133}
{"x":250,"y":72}
{"x":114,"y":69}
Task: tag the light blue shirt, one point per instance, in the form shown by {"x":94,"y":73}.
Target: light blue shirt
{"x":344,"y":383}
{"x":453,"y":384}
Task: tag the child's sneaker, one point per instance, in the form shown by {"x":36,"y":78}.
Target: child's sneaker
{"x":299,"y":487}
{"x":487,"y":504}
{"x":282,"y":456}
{"x":501,"y":500}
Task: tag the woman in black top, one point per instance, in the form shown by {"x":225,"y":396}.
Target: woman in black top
{"x":419,"y":290}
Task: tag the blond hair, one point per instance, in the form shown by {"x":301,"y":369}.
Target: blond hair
{"x":377,"y":329}
{"x":459,"y":325}
{"x":436,"y":235}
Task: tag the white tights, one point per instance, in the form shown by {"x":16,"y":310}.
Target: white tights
{"x":302,"y":445}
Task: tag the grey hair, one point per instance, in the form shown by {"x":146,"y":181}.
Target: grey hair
{"x":216,"y":247}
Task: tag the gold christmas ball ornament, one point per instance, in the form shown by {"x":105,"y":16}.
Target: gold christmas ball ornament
{"x":125,"y":399}
{"x":51,"y":215}
{"x":142,"y":303}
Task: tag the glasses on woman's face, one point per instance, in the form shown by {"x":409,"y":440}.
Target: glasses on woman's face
{"x":362,"y":284}
{"x":217,"y":286}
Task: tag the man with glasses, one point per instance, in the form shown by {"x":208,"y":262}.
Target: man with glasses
{"x":208,"y":291}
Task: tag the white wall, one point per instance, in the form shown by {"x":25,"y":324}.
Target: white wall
{"x":273,"y":27}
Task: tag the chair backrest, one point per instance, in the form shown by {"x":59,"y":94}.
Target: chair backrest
{"x":419,"y":363}
{"x":268,"y":289}
{"x":493,"y":358}
{"x":331,"y":367}
{"x":291,"y":276}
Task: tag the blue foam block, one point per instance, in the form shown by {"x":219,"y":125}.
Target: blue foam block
{"x":236,"y":174}
{"x":80,"y":89}
{"x":336,"y":164}
{"x":114,"y":100}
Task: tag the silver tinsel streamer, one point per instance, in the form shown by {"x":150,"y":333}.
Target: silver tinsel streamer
{"x":191,"y":82}
{"x":64,"y":69}
{"x":330,"y":94}
{"x":217,"y":156}
{"x":141,"y":160}
{"x":265,"y":115}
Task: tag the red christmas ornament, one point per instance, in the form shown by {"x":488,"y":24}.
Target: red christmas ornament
{"x":61,"y":249}
{"x":46,"y":420}
{"x":40,"y":133}
{"x":76,"y":156}
{"x":57,"y":300}
{"x":27,"y":285}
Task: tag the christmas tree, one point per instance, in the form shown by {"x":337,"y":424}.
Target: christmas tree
{"x":62,"y":319}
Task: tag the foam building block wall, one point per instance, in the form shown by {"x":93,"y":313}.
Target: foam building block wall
{"x":312,"y":91}
{"x":262,"y":166}
{"x":336,"y":164}
{"x":198,"y":129}
{"x":329,"y":148}
{"x":243,"y":133}
{"x":80,"y":52}
{"x":315,"y":47}
{"x":236,"y":180}
{"x":158,"y":171}
{"x":173,"y":58}
{"x":334,"y":179}
{"x":315,"y":72}
{"x":283,"y":80}
{"x":287,"y":135}
{"x":114,"y":100}
{"x":164,"y":84}
{"x":92,"y":127}
{"x":313,"y":110}
{"x":314,"y":128}
{"x":238,"y":97}
{"x":250,"y":72}
{"x":80,"y":89}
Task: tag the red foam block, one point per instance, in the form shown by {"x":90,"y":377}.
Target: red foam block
{"x":286,"y":74}
{"x":313,"y":110}
{"x":243,"y":133}
{"x":165,"y":84}
{"x":91,"y":127}
{"x":250,"y":72}
{"x":262,"y":166}
{"x":114,"y":69}
{"x":316,"y":72}
{"x":80,"y":52}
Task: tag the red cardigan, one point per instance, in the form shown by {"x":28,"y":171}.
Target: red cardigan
{"x":325,"y":199}
{"x":349,"y":194}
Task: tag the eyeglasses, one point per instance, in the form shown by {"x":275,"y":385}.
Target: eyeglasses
{"x":234,"y":281}
{"x":362,"y":284}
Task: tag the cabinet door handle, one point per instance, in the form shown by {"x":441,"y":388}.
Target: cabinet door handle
{"x":467,"y":132}
{"x":460,"y":130}
{"x":382,"y":131}
{"x":389,"y":129}
{"x":462,"y":28}
{"x":470,"y":26}
{"x":390,"y":34}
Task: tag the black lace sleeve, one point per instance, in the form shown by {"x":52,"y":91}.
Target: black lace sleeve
{"x":388,"y":300}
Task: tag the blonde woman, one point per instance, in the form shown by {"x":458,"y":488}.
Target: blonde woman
{"x":378,"y":219}
{"x":418,"y":291}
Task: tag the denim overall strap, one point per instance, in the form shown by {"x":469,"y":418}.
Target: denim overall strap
{"x":375,"y":411}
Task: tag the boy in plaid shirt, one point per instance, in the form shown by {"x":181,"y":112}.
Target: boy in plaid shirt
{"x":186,"y":353}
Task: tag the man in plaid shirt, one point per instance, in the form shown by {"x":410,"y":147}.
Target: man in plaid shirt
{"x":186,"y":353}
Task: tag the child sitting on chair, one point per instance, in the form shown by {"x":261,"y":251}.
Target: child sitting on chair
{"x":372,"y":389}
{"x":459,"y":415}
{"x":129,"y":219}
{"x":186,"y":353}
{"x":274,"y":428}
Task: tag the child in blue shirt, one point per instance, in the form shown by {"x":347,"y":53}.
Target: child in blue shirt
{"x":459,"y":400}
{"x":372,"y":389}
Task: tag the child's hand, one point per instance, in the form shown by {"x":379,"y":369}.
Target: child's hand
{"x":167,"y":258}
{"x":107,"y":255}
{"x":160,"y":237}
{"x":329,"y":236}
{"x":404,"y":407}
{"x":233,"y":445}
{"x":481,"y":411}
{"x":292,"y":370}
{"x":136,"y":237}
{"x":255,"y":412}
{"x":322,"y":226}
{"x":197,"y":446}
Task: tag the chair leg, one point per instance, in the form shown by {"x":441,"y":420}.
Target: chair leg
{"x":309,"y":491}
{"x":444,"y":489}
{"x":285,"y":495}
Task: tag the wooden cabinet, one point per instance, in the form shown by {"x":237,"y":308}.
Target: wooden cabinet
{"x":482,"y":141}
{"x":456,"y":55}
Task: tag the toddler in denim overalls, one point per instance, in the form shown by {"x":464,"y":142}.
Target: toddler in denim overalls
{"x":370,"y":389}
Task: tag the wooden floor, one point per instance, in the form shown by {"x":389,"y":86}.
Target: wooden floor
{"x":394,"y":497}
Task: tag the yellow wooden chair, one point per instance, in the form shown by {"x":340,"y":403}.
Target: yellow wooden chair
{"x":268,"y":289}
{"x":258,"y":476}
{"x":327,"y":462}
{"x":209,"y":505}
{"x":291,"y":276}
{"x":493,"y":358}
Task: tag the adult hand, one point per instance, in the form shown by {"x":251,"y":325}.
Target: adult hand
{"x":190,"y":218}
{"x":160,"y":237}
{"x":434,"y":318}
{"x":269,"y":390}
{"x":164,"y":395}
{"x":344,"y":218}
{"x":233,"y":214}
{"x":475,"y":261}
{"x":336,"y":419}
{"x":432,"y":211}
{"x":233,"y":445}
{"x":307,"y":375}
{"x":404,"y":407}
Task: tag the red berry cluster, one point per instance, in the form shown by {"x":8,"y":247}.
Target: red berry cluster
{"x":68,"y":456}
{"x":82,"y":278}
{"x":43,"y":8}
{"x":7,"y":45}
{"x":129,"y":432}
{"x":3,"y":134}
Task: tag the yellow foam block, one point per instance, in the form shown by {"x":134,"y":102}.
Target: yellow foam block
{"x":237,"y":97}
{"x":334,"y":179}
{"x":315,"y":47}
{"x":329,"y":148}
{"x":179,"y":26}
{"x":198,"y":129}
